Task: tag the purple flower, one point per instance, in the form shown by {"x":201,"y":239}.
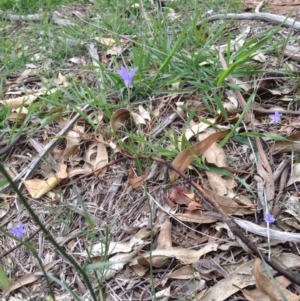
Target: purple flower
{"x":127,"y":75}
{"x":269,"y":218}
{"x":18,"y":231}
{"x":276,"y":118}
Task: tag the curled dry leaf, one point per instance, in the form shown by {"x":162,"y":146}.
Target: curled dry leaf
{"x":97,"y":156}
{"x":77,"y":171}
{"x":73,"y":143}
{"x":37,"y":188}
{"x":179,"y":195}
{"x":138,"y":181}
{"x":266,"y":285}
{"x":186,"y":157}
{"x":119,"y":118}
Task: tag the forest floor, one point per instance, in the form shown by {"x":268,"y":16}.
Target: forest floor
{"x":149,"y":151}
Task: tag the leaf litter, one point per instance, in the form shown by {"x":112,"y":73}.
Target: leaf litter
{"x":181,"y":239}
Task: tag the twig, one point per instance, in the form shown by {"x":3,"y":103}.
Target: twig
{"x":36,"y":17}
{"x":260,"y":16}
{"x":9,"y":146}
{"x":260,"y":5}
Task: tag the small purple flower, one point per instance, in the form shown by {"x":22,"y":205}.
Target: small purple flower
{"x":127,"y":76}
{"x":269,"y":218}
{"x":276,"y":118}
{"x":18,"y":231}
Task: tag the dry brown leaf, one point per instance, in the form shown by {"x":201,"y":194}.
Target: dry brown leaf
{"x":186,"y":157}
{"x":113,"y":248}
{"x":216,"y":182}
{"x":195,"y":206}
{"x":186,"y":256}
{"x":115,"y":50}
{"x":37,"y":188}
{"x":140,"y":270}
{"x":119,"y":118}
{"x":144,"y":113}
{"x":195,"y":217}
{"x":97,"y":156}
{"x":264,"y":171}
{"x":105,"y":41}
{"x":18,"y":114}
{"x":260,"y":57}
{"x":61,"y":80}
{"x":164,"y":241}
{"x":4,"y":208}
{"x":73,"y":143}
{"x":30,"y":278}
{"x":186,"y":272}
{"x":195,"y":129}
{"x":289,"y":146}
{"x":255,"y":295}
{"x":295,"y":176}
{"x":118,"y":261}
{"x":179,"y":195}
{"x":136,"y":182}
{"x":242,"y":277}
{"x":77,"y":171}
{"x":138,"y":119}
{"x":17,"y":102}
{"x":229,"y":205}
{"x":266,"y":286}
{"x":214,"y":154}
{"x":232,"y":97}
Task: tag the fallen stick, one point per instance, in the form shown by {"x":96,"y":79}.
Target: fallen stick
{"x":260,"y":16}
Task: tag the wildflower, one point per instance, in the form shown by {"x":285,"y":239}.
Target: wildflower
{"x":18,"y":231}
{"x":269,"y":218}
{"x":127,"y":76}
{"x":276,"y":118}
{"x":209,"y":12}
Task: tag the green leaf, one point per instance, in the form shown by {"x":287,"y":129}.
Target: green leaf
{"x":4,"y":281}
